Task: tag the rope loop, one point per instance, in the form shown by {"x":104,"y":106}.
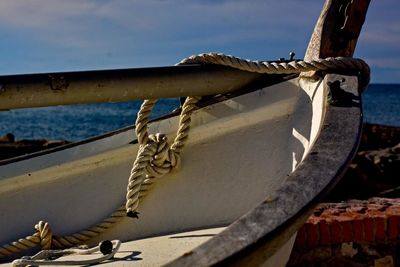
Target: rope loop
{"x":142,"y":120}
{"x":155,"y":156}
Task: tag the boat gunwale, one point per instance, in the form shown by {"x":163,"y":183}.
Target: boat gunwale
{"x":262,"y":231}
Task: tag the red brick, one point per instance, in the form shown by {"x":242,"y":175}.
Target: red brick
{"x":347,"y":231}
{"x":393,"y":227}
{"x":301,"y":237}
{"x":358,"y":228}
{"x":325,"y":233}
{"x":380,"y":228}
{"x":312,"y":234}
{"x":359,"y":221}
{"x":368,"y":229}
{"x":336,"y":232}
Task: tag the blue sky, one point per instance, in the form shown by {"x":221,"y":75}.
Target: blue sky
{"x":63,"y":35}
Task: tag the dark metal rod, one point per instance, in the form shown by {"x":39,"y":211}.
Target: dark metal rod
{"x":67,"y":88}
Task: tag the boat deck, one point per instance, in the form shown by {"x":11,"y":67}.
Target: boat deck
{"x":154,"y":251}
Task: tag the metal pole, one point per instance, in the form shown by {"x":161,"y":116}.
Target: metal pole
{"x":49,"y":89}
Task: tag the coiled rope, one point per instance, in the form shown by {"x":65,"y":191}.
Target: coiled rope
{"x":156,"y":157}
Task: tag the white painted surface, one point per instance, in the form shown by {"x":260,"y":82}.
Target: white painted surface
{"x":239,"y":151}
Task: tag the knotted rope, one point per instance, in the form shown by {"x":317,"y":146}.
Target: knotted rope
{"x":156,"y":158}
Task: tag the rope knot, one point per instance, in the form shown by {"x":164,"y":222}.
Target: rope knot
{"x":45,"y":234}
{"x":164,"y":158}
{"x":155,"y":156}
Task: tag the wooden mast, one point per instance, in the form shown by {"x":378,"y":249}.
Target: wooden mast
{"x":336,"y":32}
{"x":337,"y":29}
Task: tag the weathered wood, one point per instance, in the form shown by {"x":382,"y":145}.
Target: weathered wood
{"x":337,"y":29}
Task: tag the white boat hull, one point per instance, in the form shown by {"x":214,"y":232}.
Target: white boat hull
{"x":239,"y":154}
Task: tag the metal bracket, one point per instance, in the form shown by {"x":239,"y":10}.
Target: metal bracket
{"x":338,"y":96}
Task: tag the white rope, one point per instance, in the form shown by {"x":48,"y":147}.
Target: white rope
{"x":295,"y":66}
{"x":155,"y":156}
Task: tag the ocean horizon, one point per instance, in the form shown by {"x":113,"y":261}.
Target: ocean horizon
{"x":381,"y":105}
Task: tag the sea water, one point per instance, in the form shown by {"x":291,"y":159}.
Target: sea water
{"x":76,"y":122}
{"x":381,"y":104}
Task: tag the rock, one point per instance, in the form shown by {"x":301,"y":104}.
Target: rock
{"x":347,"y":250}
{"x":384,"y":262}
{"x":373,"y":171}
{"x":7,"y":138}
{"x":377,"y":136}
{"x":9,"y":147}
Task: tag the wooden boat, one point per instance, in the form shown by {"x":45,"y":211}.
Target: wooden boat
{"x":257,"y":160}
